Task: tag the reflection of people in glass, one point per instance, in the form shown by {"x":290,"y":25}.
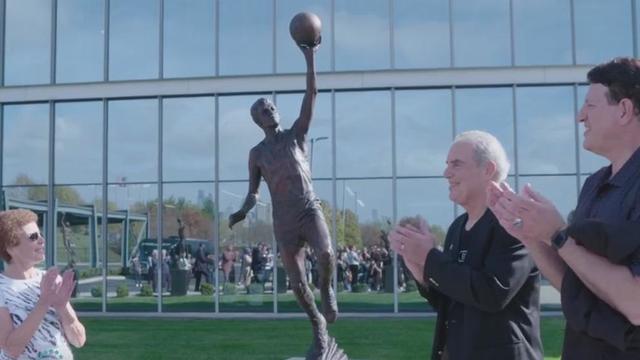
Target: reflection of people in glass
{"x":282,"y":160}
{"x":484,"y":284}
{"x":201,"y":266}
{"x":36,"y":318}
{"x":594,"y":261}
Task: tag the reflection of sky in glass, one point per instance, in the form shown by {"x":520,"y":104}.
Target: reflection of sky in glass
{"x":78,"y":143}
{"x":589,"y":162}
{"x":490,"y":110}
{"x":26,"y":142}
{"x":189,"y":38}
{"x":246,"y":41}
{"x":133,"y":42}
{"x":289,"y":109}
{"x":27,"y":42}
{"x":546,"y":130}
{"x":421,"y":33}
{"x":561,"y":190}
{"x":542,"y":31}
{"x":80,"y":40}
{"x":133,"y":140}
{"x":362,"y":34}
{"x":481,"y":33}
{"x":603,"y":30}
{"x":363,"y":131}
{"x":232,"y":195}
{"x":131,"y":195}
{"x":289,"y":58}
{"x":188,"y":139}
{"x":428,"y":198}
{"x":238,"y":134}
{"x":369,"y":199}
{"x":423,"y":131}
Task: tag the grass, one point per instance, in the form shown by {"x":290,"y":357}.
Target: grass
{"x":396,"y":339}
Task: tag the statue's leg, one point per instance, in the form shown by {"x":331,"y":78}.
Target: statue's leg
{"x":317,"y":234}
{"x":293,"y":261}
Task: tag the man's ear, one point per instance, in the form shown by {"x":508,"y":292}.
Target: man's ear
{"x":490,"y":169}
{"x":627,"y":111}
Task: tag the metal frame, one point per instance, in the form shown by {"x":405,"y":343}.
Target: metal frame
{"x":3,"y":7}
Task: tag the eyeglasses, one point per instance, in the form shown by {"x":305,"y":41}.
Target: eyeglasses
{"x":35,"y":236}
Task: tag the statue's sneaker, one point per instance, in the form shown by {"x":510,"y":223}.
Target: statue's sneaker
{"x":329,"y":306}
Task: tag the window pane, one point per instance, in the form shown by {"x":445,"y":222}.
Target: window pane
{"x":428,"y":198}
{"x":188,"y":139}
{"x":319,"y":133}
{"x":133,"y":140}
{"x":546,"y":130}
{"x":27,"y":42}
{"x":138,"y":203}
{"x":363,"y":131}
{"x":561,"y":190}
{"x":133,"y":42}
{"x":194,"y":205}
{"x":423,"y":131}
{"x":254,"y":236}
{"x":364,"y":212}
{"x":80,"y":41}
{"x":589,"y":162}
{"x":289,"y":57}
{"x":78,"y":147}
{"x":481,"y":33}
{"x":421,"y":33}
{"x":495,"y":107}
{"x":238,"y":134}
{"x":599,"y":41}
{"x":246,"y":40}
{"x":542,"y":31}
{"x":26,"y":144}
{"x":362,"y":34}
{"x":189,"y":38}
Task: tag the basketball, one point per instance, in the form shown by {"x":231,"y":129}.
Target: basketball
{"x":305,"y":29}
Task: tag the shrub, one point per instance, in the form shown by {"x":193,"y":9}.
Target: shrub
{"x":358,"y":288}
{"x":255,"y":288}
{"x":146,"y":290}
{"x":229,"y":289}
{"x":122,"y":291}
{"x":411,"y":286}
{"x":206,"y":289}
{"x":96,"y":291}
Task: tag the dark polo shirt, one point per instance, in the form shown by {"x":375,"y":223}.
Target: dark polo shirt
{"x":603,"y":198}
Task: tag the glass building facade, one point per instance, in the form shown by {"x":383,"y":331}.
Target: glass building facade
{"x":119,"y":117}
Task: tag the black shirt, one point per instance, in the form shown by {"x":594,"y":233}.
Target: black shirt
{"x":603,"y":198}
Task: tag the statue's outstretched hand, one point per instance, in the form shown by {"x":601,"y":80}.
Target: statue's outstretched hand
{"x":236,"y":217}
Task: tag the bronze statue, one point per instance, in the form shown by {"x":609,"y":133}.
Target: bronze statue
{"x":281,"y":158}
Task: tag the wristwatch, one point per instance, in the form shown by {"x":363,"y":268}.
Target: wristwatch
{"x":559,"y":239}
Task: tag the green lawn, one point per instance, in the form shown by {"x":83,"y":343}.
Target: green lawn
{"x":393,"y":339}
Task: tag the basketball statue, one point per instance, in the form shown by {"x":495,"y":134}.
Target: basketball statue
{"x":281,"y":158}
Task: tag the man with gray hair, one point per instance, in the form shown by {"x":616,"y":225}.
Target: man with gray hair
{"x":483,"y":284}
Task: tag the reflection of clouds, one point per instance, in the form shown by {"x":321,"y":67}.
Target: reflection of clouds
{"x":27,"y":42}
{"x":481,"y":33}
{"x":362,"y":40}
{"x":78,"y":142}
{"x":26,"y":142}
{"x":80,"y":40}
{"x":133,"y":134}
{"x":189,"y":38}
{"x":561,"y":190}
{"x":238,"y":134}
{"x":432,"y":203}
{"x":373,"y":198}
{"x":363,"y":130}
{"x":422,"y":44}
{"x":546,"y":130}
{"x":189,"y":139}
{"x":133,"y":45}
